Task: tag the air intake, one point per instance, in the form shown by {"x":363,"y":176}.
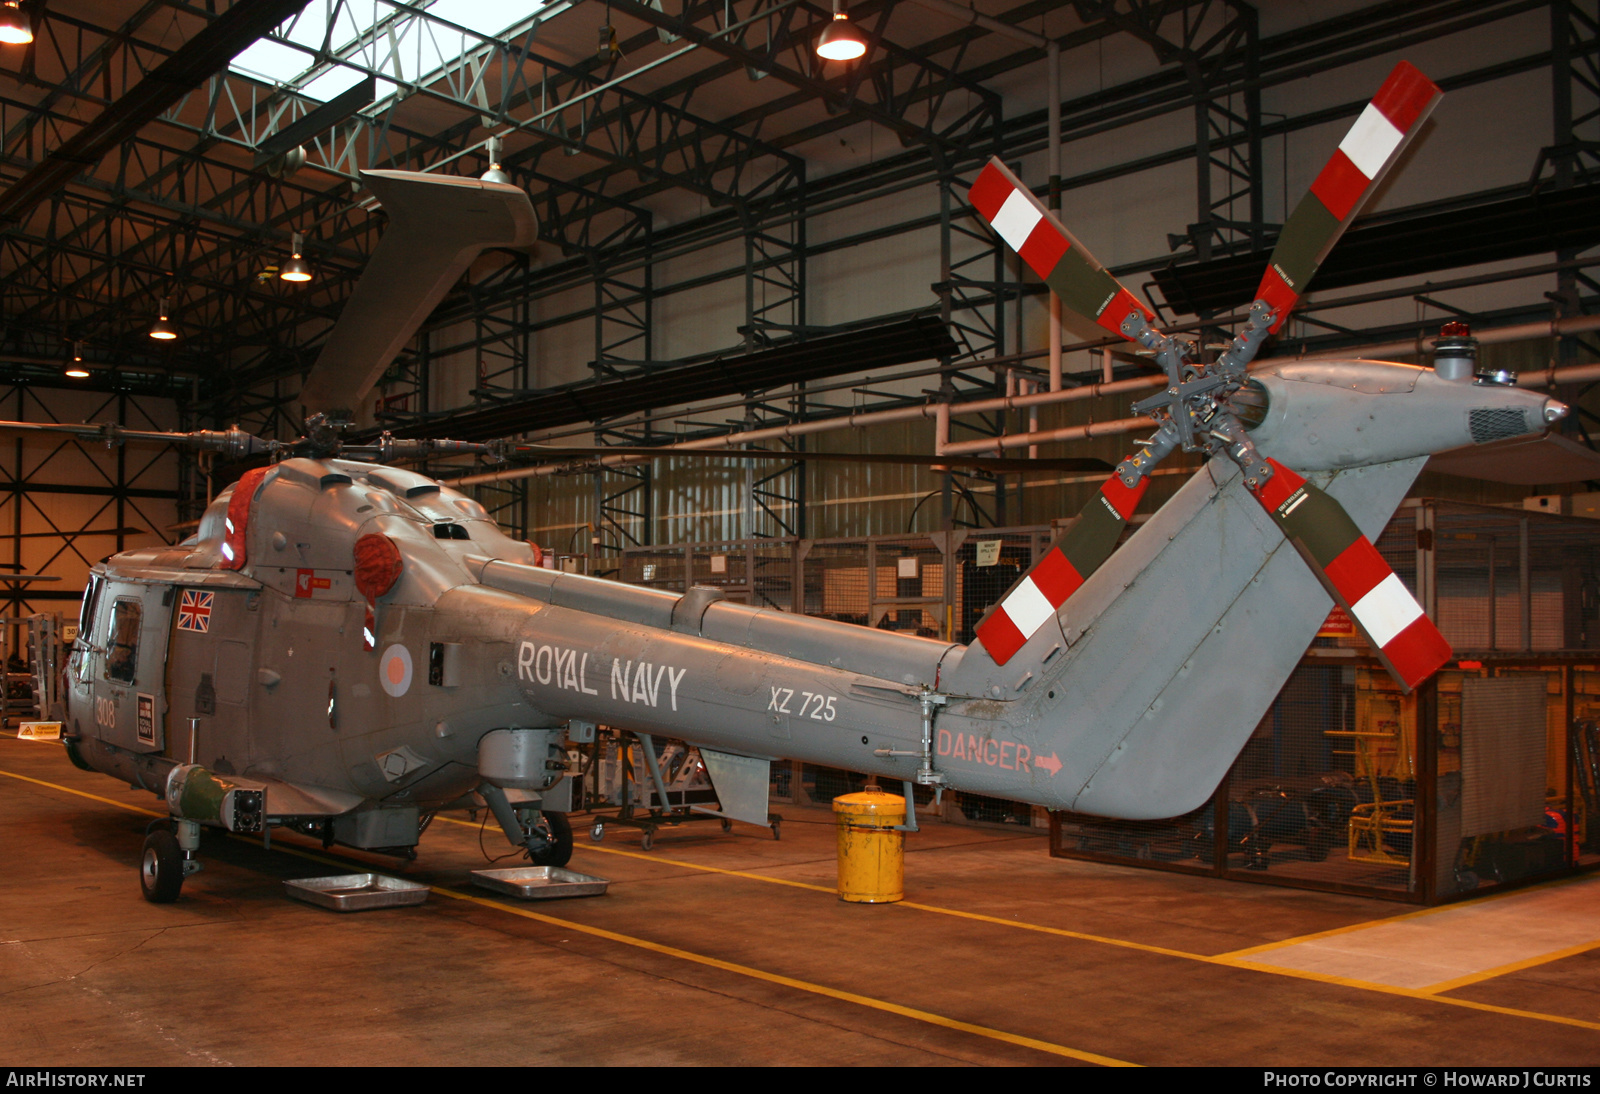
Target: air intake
{"x":1496,"y":423}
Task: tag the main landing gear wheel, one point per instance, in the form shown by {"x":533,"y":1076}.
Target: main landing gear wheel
{"x":559,"y":850}
{"x":161,"y":867}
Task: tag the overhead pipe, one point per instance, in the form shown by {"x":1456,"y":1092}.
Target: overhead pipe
{"x":1520,"y":332}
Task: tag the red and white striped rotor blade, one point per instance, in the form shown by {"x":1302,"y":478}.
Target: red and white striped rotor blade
{"x":1374,"y":143}
{"x":1036,"y":598}
{"x":1356,"y":576}
{"x":1050,"y":250}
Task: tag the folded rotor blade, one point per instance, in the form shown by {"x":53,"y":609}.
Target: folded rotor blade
{"x":996,"y":465}
{"x":1380,"y":134}
{"x":1007,"y":626}
{"x":1050,"y":250}
{"x":1356,"y":576}
{"x":437,"y":225}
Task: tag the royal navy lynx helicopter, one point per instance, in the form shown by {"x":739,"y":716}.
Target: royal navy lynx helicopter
{"x":346,"y":647}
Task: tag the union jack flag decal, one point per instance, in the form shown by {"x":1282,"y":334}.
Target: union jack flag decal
{"x":194,"y":611}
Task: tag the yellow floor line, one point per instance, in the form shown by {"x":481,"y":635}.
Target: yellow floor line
{"x":830,"y":889}
{"x":85,"y":794}
{"x":802,"y":985}
{"x":1236,"y":959}
{"x":753,"y":973}
{"x":678,"y":862}
{"x":1424,"y":994}
{"x":1268,"y":947}
{"x":1509,"y":967}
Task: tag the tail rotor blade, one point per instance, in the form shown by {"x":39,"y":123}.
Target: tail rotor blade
{"x":1380,"y":134}
{"x":1033,"y":600}
{"x":1356,"y":576}
{"x":1050,"y":250}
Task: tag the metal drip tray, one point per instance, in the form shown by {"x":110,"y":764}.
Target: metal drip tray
{"x":357,"y":892}
{"x":540,"y":882}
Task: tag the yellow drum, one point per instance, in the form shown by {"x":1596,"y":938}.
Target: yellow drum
{"x":871,"y":853}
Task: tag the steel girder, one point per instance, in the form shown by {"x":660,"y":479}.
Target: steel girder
{"x":217,"y":240}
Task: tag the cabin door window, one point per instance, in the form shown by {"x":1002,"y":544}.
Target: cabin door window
{"x":122,"y":644}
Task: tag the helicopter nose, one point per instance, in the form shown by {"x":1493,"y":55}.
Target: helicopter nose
{"x":1554,"y":410}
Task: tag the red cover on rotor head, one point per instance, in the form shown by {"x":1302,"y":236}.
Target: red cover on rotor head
{"x":244,"y":496}
{"x":378,"y":565}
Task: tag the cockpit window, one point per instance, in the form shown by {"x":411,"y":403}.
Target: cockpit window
{"x":91,"y":600}
{"x":122,"y":650}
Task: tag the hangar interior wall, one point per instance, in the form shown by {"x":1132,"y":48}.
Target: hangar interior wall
{"x":1130,"y":182}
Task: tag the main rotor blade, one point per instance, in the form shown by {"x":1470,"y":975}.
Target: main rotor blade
{"x":1006,"y":627}
{"x":1380,"y":134}
{"x":437,"y":225}
{"x":997,"y":464}
{"x":1356,"y":576}
{"x":1050,"y":250}
{"x":234,"y":443}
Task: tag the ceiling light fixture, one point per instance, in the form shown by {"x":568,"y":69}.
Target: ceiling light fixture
{"x":297,"y":268}
{"x":14,"y":27}
{"x":496,"y":172}
{"x":840,"y":40}
{"x":161,"y":330}
{"x":75,"y":370}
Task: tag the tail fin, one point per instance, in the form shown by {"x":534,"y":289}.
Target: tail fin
{"x":1151,"y":678}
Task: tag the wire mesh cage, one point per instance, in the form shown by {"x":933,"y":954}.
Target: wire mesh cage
{"x":987,"y":565}
{"x":663,"y":568}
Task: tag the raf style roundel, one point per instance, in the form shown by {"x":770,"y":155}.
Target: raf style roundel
{"x":394,"y":670}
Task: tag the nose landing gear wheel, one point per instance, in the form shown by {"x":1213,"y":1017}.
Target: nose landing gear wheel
{"x":598,"y":832}
{"x":559,"y":850}
{"x":161,"y":867}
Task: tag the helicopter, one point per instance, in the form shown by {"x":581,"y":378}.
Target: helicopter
{"x":346,"y":647}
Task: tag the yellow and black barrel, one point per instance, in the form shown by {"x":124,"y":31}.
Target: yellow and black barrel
{"x":871,"y":851}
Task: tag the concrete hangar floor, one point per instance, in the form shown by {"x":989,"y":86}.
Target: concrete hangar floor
{"x":733,"y":949}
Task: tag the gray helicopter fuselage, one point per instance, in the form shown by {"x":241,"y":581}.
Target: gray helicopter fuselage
{"x":1131,"y":704}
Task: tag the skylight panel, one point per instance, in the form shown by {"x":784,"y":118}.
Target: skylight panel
{"x":487,"y":17}
{"x":410,"y":51}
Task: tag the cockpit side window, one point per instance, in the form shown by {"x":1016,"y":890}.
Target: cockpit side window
{"x":91,"y":601}
{"x":122,"y":647}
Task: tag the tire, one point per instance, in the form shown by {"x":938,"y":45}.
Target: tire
{"x":161,"y":867}
{"x":558,"y":852}
{"x":648,"y":841}
{"x":597,"y":833}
